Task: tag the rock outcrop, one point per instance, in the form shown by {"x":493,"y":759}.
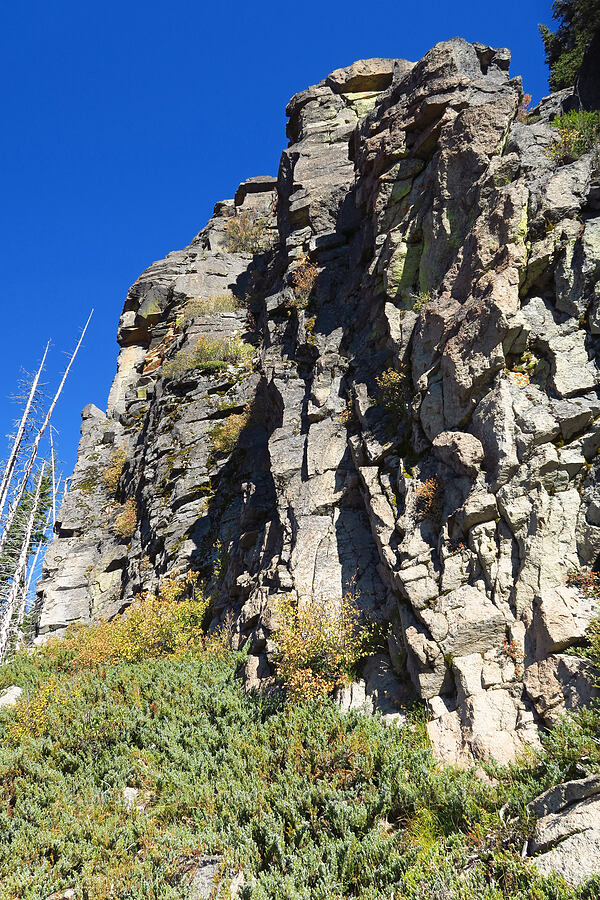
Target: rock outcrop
{"x":445,"y":246}
{"x":567,"y":831}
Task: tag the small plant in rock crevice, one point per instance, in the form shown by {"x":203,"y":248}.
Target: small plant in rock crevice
{"x":523,"y":108}
{"x":304,"y":277}
{"x":392,"y":390}
{"x":226,"y":433}
{"x":578,"y":133}
{"x":421,"y":299}
{"x":112,"y":473}
{"x":511,"y":649}
{"x":429,"y":496}
{"x":247,"y":234}
{"x":586,"y":580}
{"x":126,"y":520}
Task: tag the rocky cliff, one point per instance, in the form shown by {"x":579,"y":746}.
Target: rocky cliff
{"x":419,"y":424}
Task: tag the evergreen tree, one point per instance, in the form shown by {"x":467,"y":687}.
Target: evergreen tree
{"x":18,"y":529}
{"x":578,"y":20}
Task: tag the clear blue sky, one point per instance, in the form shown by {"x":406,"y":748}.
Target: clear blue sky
{"x":123,"y":124}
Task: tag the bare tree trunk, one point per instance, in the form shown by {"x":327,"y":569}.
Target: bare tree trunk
{"x":35,"y":446}
{"x":22,"y":599}
{"x":53,"y":479}
{"x":18,"y":579}
{"x":14,"y":453}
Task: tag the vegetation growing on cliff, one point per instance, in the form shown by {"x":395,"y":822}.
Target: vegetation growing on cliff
{"x":214,"y":304}
{"x":226,"y":433}
{"x":319,"y":644}
{"x":210,"y":354}
{"x":306,"y":801}
{"x":247,"y":234}
{"x":578,"y":132}
{"x":304,"y":278}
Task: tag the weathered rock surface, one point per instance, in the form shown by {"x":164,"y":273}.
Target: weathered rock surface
{"x":567,"y":834}
{"x":450,"y":248}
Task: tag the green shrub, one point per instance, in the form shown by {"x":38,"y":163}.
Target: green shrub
{"x":207,"y":306}
{"x":225,"y":435}
{"x":579,"y":131}
{"x":392,"y":389}
{"x":247,"y":234}
{"x":308,"y":802}
{"x":421,"y":299}
{"x":210,"y":355}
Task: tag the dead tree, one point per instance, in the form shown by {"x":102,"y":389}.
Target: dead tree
{"x":13,"y":609}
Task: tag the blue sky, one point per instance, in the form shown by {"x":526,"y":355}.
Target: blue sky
{"x":123,"y":124}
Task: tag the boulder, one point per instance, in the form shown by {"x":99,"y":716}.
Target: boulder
{"x":474,"y":623}
{"x":10,"y":696}
{"x":365,"y":75}
{"x":560,"y":683}
{"x":461,"y":451}
{"x":566,"y":839}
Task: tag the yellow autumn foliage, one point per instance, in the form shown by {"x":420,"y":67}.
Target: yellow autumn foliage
{"x":319,"y":643}
{"x":154,"y":625}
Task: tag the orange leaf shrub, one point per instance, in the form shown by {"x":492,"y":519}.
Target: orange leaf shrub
{"x":430,"y":498}
{"x":585,"y":579}
{"x":319,"y":643}
{"x":523,"y":108}
{"x":520,"y":379}
{"x":304,"y":277}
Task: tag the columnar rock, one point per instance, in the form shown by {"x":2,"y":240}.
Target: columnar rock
{"x":419,"y":236}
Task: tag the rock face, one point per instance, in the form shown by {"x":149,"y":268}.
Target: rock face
{"x":567,"y":833}
{"x":445,"y":246}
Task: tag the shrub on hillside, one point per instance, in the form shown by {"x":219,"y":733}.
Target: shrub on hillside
{"x":154,"y":625}
{"x":319,"y":643}
{"x":306,"y":801}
